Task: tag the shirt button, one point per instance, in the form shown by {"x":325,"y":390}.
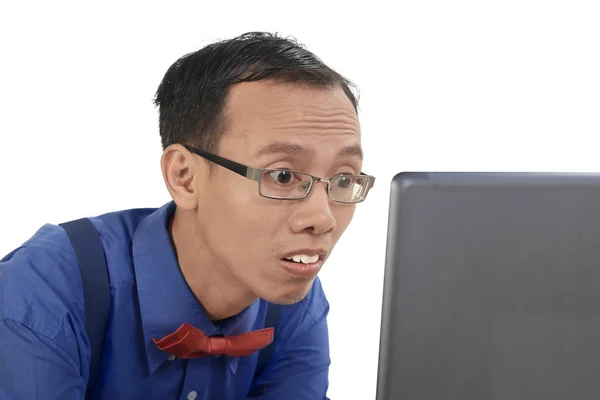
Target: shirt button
{"x":171,"y":358}
{"x":192,"y":395}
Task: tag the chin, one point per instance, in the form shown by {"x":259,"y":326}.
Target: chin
{"x":289,"y":294}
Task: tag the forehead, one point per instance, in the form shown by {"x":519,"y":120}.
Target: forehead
{"x":266,"y":111}
{"x":265,"y":94}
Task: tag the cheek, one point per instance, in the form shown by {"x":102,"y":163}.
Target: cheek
{"x":343,"y":216}
{"x":231,"y":195}
{"x":242,"y":220}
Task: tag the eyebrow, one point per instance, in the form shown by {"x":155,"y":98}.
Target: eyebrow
{"x":298,"y":150}
{"x":354,"y":150}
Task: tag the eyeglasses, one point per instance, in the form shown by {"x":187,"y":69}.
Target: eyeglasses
{"x":284,"y":184}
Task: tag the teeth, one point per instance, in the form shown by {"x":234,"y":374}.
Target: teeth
{"x":303,"y":258}
{"x":309,"y":259}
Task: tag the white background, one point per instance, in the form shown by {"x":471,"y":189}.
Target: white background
{"x":445,"y":85}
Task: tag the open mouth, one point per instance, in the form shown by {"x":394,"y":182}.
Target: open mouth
{"x":302,"y":259}
{"x":303,"y":265}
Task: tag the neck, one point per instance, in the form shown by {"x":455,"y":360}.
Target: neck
{"x":218,"y":291}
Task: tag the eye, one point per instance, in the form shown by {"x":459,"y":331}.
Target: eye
{"x":282,"y":177}
{"x":344,"y":182}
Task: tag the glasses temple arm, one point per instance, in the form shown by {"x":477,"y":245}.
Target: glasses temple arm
{"x":223,"y":162}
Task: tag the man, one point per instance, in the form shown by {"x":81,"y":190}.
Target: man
{"x":263,"y":161}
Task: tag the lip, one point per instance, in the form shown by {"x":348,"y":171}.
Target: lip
{"x":303,"y":270}
{"x":321,"y":252}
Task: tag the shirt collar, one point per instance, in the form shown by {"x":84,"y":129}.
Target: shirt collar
{"x":164,"y":297}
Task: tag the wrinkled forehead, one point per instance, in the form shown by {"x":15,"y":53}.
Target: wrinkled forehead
{"x":269,"y":117}
{"x":345,"y":150}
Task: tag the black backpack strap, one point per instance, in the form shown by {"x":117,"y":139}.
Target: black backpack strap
{"x":87,"y":244}
{"x":271,"y":320}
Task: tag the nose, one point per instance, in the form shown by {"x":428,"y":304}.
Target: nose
{"x":314,"y":214}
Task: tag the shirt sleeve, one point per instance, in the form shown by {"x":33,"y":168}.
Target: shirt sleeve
{"x":34,"y":367}
{"x":299,"y":369}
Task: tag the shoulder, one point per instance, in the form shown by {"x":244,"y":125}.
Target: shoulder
{"x":38,"y":281}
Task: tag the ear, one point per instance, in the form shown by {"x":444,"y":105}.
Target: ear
{"x":183,"y":175}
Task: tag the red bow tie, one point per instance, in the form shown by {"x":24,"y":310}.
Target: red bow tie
{"x":190,"y":342}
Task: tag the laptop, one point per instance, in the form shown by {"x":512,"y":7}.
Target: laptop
{"x":492,"y":287}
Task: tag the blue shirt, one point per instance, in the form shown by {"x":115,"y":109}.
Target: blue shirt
{"x":44,"y":350}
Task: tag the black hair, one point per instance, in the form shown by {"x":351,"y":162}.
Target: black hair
{"x":193,"y":93}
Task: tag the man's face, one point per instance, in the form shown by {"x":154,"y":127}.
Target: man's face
{"x":275,"y":125}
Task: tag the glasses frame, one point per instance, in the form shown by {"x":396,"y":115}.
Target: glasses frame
{"x":256,"y":174}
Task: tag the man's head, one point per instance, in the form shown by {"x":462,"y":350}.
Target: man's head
{"x":266,"y":103}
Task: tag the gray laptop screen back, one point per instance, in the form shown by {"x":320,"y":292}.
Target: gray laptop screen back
{"x":492,"y":288}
